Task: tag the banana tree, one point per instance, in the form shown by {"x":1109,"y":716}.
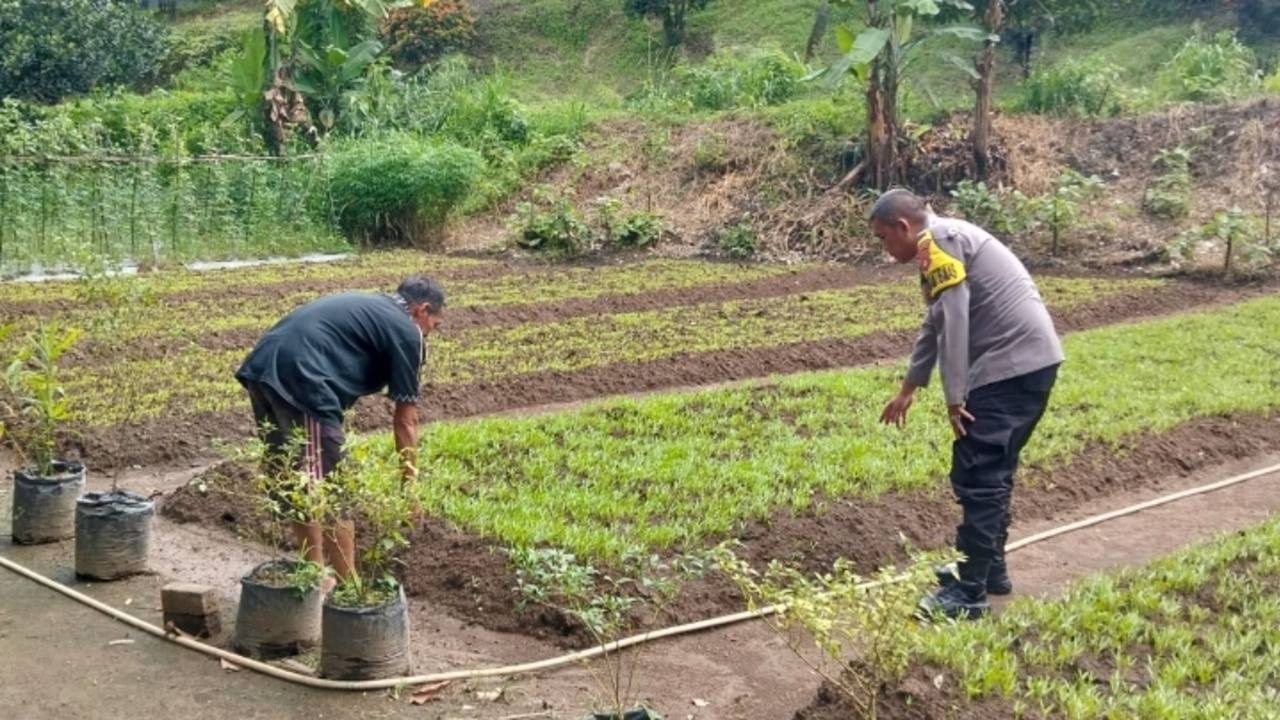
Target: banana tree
{"x":326,"y":76}
{"x":317,"y":52}
{"x":878,"y":56}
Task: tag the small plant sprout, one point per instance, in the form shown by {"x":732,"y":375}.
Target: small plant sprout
{"x":606,"y":605}
{"x":35,"y":405}
{"x":865,"y":627}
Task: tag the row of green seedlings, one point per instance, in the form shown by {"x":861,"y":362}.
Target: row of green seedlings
{"x":113,"y":361}
{"x":684,"y":467}
{"x":1189,"y":636}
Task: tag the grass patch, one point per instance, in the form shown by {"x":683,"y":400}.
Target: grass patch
{"x":675,"y":470}
{"x":1190,"y":636}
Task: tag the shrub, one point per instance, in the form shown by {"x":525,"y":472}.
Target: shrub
{"x":486,"y":113}
{"x":710,"y":155}
{"x":1213,"y":70}
{"x":420,"y":34}
{"x":980,"y":206}
{"x":739,"y":241}
{"x":50,"y":49}
{"x":639,"y":229}
{"x":1170,"y":194}
{"x":1085,"y":88}
{"x":845,"y":615}
{"x":192,"y":48}
{"x":1059,"y":210}
{"x":398,"y":188}
{"x":1235,"y":230}
{"x":725,"y":82}
{"x":557,"y":231}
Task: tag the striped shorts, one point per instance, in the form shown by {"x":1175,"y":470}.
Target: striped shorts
{"x":317,"y":449}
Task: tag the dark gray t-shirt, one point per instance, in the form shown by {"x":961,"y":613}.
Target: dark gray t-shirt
{"x":327,"y":354}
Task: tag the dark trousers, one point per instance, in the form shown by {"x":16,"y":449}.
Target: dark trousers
{"x":983,"y":463}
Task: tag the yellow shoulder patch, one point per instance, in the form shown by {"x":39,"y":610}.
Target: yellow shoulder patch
{"x":938,"y":270}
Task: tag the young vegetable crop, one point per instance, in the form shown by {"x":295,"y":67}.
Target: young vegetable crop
{"x":114,"y":383}
{"x":1190,"y":636}
{"x":675,"y":470}
{"x":469,"y":282}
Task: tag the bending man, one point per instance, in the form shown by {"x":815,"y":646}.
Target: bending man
{"x":987,"y":329}
{"x":313,"y":366}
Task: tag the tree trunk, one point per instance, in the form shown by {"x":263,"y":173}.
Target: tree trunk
{"x":879,"y":142}
{"x":673,"y":25}
{"x":1271,"y":206}
{"x":821,"y":20}
{"x":1023,"y":43}
{"x":986,"y":64}
{"x":890,"y":70}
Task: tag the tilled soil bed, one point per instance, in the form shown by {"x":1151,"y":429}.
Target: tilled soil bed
{"x":470,"y":576}
{"x":184,"y":437}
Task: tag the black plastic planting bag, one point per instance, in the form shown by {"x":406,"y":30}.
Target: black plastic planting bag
{"x":366,"y":643}
{"x":275,"y":622}
{"x":113,"y":534}
{"x":44,"y":508}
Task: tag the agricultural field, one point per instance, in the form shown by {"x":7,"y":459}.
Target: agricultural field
{"x":515,"y":337}
{"x":777,"y":464}
{"x":670,"y":331}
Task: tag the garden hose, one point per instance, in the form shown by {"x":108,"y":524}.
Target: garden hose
{"x":315,"y":682}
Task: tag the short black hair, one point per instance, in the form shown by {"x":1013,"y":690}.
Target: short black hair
{"x":899,"y":204}
{"x":422,"y":289}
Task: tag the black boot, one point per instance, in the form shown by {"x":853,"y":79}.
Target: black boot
{"x":998,"y":582}
{"x":964,"y":597}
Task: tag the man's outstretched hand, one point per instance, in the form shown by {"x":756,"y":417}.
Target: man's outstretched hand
{"x":895,"y":413}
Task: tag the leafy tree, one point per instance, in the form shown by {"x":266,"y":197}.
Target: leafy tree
{"x":672,"y":13}
{"x":878,"y":56}
{"x":50,"y":49}
{"x":417,"y":35}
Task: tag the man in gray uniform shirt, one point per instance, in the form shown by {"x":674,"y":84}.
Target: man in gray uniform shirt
{"x":987,"y":329}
